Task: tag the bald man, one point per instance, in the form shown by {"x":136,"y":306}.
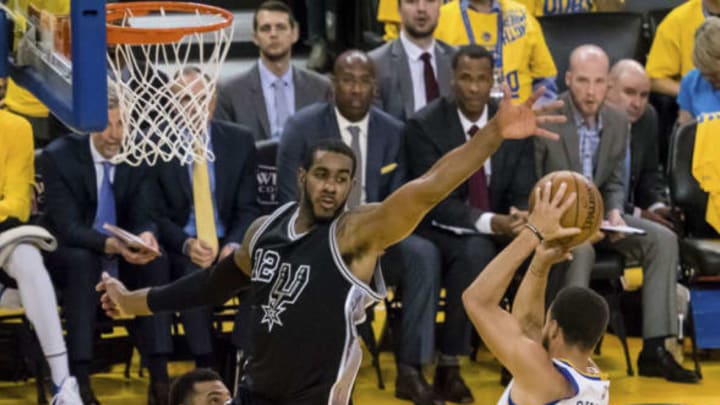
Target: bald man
{"x":628,"y":90}
{"x":414,"y":263}
{"x":594,"y":142}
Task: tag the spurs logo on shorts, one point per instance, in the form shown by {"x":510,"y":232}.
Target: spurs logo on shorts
{"x":286,"y":290}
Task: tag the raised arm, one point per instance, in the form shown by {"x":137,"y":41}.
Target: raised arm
{"x":515,"y":340}
{"x":378,"y":226}
{"x":210,"y":287}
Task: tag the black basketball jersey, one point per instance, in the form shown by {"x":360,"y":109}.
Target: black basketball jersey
{"x":305,"y":304}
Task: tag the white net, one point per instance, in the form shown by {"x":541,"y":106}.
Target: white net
{"x":166,"y":90}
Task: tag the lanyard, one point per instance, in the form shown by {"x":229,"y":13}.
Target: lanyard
{"x":497,"y":53}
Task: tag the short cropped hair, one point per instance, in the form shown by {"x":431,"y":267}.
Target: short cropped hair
{"x":277,"y":6}
{"x":706,"y":53}
{"x":184,"y":387}
{"x":582,"y":315}
{"x":328,"y":145}
{"x":472,"y":52}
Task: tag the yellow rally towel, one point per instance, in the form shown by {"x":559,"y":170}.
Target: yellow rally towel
{"x":706,"y":164}
{"x":204,"y":211}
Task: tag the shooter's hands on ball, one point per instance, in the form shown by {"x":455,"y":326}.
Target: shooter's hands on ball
{"x":548,"y":211}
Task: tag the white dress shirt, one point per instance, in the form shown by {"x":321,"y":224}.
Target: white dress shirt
{"x":343,"y":124}
{"x":98,"y":161}
{"x":484,"y":223}
{"x":417,"y":68}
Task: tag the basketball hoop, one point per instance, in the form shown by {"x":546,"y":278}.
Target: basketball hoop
{"x":150,"y":45}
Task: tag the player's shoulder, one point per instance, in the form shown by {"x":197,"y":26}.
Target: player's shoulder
{"x":681,"y":15}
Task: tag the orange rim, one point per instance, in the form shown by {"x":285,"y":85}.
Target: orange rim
{"x":117,"y":34}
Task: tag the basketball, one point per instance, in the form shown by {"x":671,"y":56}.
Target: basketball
{"x":587,"y":211}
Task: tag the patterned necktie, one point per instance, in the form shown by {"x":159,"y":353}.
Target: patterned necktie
{"x":355,"y":197}
{"x":431,"y":86}
{"x":106,"y":214}
{"x":202,"y":200}
{"x":479,"y":195}
{"x":282,"y":111}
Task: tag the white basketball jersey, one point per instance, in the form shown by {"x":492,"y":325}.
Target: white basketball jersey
{"x":589,"y":389}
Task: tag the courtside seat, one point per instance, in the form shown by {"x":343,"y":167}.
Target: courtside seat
{"x":620,"y":34}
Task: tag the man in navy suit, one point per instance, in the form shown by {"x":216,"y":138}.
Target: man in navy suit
{"x":84,"y":190}
{"x":413,"y":264}
{"x":481,"y":212}
{"x":233,"y":188}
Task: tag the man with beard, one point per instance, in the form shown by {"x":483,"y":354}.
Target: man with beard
{"x":414,"y":69}
{"x":413,"y":265}
{"x":309,"y":265}
{"x":265,"y":96}
{"x":548,"y":355}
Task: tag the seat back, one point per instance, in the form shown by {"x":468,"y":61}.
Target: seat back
{"x":643,"y":6}
{"x":267,"y":175}
{"x":620,"y":34}
{"x":685,"y":192}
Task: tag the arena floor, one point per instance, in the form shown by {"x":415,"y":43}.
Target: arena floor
{"x":482,"y":376}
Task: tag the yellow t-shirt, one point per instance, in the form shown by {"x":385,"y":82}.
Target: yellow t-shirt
{"x":389,"y":15}
{"x":525,"y":54}
{"x":706,"y":164}
{"x":551,"y":7}
{"x":17,"y":98}
{"x":671,"y":52}
{"x":17,"y":167}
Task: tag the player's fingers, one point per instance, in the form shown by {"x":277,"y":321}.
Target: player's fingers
{"x":559,"y":194}
{"x":535,"y":97}
{"x":547,"y":190}
{"x":568,"y":202}
{"x":565,"y":232}
{"x":544,"y":133}
{"x":549,"y":107}
{"x":537,"y":196}
{"x":507,"y":95}
{"x":550,"y":119}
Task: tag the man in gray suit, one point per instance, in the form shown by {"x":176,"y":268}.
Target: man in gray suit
{"x":414,"y":69}
{"x":594,"y":142}
{"x":272,"y":90}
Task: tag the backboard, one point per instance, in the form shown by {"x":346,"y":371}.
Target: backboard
{"x":60,"y":58}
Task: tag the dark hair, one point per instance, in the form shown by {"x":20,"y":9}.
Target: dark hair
{"x":184,"y":386}
{"x":472,"y":52}
{"x":582,"y":315}
{"x":274,"y":5}
{"x":328,"y":145}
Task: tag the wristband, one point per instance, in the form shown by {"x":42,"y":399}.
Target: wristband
{"x":535,"y":231}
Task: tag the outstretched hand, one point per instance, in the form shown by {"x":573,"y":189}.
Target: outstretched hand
{"x":548,"y":212}
{"x":522,"y":121}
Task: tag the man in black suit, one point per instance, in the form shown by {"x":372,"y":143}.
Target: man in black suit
{"x":414,"y":263}
{"x":84,"y":190}
{"x":233,"y":188}
{"x":481,"y":211}
{"x":263,"y":97}
{"x":628,"y":90}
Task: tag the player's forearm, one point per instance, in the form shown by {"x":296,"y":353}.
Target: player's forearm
{"x":529,"y":305}
{"x":489,"y":287}
{"x":213,"y":286}
{"x":666,"y":85}
{"x":136,"y":302}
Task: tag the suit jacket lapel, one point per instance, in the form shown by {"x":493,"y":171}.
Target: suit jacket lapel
{"x":571,"y":141}
{"x":302,"y":89}
{"x":121,"y":181}
{"x":456,"y":133}
{"x":403,"y":77}
{"x":604,"y":166}
{"x":258,"y":102}
{"x":87,"y":170}
{"x":373,"y":160}
{"x":443,"y":67}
